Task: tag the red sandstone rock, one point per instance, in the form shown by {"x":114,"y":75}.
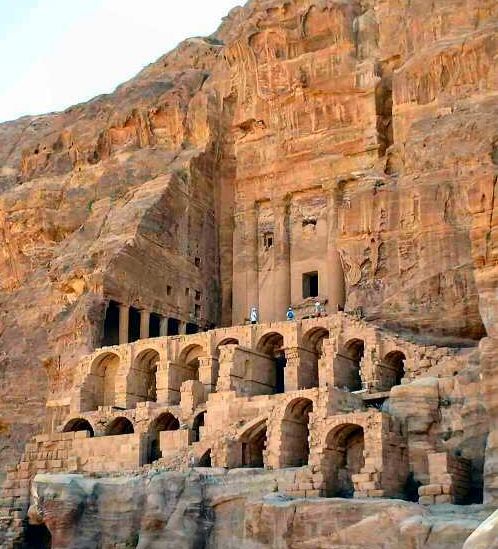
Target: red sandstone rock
{"x":352,"y":140}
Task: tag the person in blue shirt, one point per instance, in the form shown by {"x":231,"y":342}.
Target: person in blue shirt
{"x":290,"y":314}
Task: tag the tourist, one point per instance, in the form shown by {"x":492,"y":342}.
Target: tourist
{"x":290,"y":314}
{"x":253,"y":317}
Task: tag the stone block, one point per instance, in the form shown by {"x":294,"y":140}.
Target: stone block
{"x":430,"y":490}
{"x":444,"y":498}
{"x":361,"y":477}
{"x":426,"y":500}
{"x":376,"y":493}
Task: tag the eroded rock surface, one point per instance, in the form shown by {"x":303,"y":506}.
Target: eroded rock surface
{"x":235,"y":510}
{"x":352,"y":140}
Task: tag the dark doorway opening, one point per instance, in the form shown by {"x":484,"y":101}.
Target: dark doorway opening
{"x":192,"y":328}
{"x":205,"y":460}
{"x":78,"y":424}
{"x":280,"y":363}
{"x":165,"y":422}
{"x":310,"y":284}
{"x":37,"y":537}
{"x":120,"y":426}
{"x":173,"y":326}
{"x":134,"y":325}
{"x":253,"y":447}
{"x":196,"y":427}
{"x":155,"y":325}
{"x":111,"y":325}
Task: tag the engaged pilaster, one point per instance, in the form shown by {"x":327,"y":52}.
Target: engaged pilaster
{"x":335,"y":276}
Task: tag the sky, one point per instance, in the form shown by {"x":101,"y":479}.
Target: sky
{"x":56,"y":53}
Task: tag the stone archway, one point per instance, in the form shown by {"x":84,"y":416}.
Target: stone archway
{"x":343,"y":457}
{"x":119,"y":426}
{"x":294,"y":447}
{"x":392,"y":369}
{"x":196,"y":426}
{"x":78,"y":424}
{"x":189,"y":360}
{"x":226,"y":341}
{"x":313,"y":343}
{"x":271,"y":344}
{"x":253,"y":445}
{"x":347,"y":365}
{"x":164,"y":422}
{"x":142,"y":379}
{"x":104,"y":370}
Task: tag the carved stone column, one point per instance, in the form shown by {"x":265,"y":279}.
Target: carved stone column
{"x":163,"y":326}
{"x":144,"y":324}
{"x":335,"y":276}
{"x":245,"y":263}
{"x":124,"y":322}
{"x":282,"y":298}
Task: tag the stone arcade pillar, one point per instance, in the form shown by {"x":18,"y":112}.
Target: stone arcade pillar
{"x":301,"y":370}
{"x":245,"y":263}
{"x":282,"y":298}
{"x":124,"y":322}
{"x":168,"y":383}
{"x":208,"y":373}
{"x":144,"y":324}
{"x":335,"y":276}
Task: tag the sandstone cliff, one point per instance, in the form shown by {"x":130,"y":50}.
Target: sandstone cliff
{"x":392,"y":101}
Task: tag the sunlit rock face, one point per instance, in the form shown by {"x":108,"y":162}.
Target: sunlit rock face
{"x":361,"y":135}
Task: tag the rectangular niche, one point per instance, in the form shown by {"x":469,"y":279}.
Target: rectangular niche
{"x":310,"y":284}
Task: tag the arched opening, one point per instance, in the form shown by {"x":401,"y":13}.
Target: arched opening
{"x":164,"y":422}
{"x":205,"y":460}
{"x":295,"y":433}
{"x":37,"y":536}
{"x":253,"y":445}
{"x":78,"y":424}
{"x":313,"y":342}
{"x":119,"y":426}
{"x":227,"y":341}
{"x":189,"y":359}
{"x":142,"y":385}
{"x":104,"y":369}
{"x":272,"y":345}
{"x":347,"y":366}
{"x":392,"y":369}
{"x":196,"y":426}
{"x":343,"y":458}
